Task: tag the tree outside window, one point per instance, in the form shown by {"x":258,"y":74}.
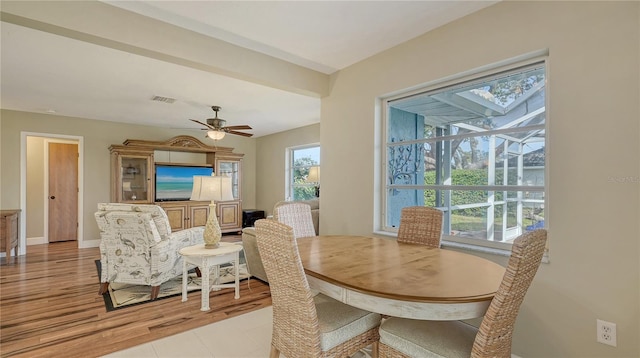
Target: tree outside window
{"x":302,"y":159}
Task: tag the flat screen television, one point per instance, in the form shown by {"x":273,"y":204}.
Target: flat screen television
{"x":174,"y":182}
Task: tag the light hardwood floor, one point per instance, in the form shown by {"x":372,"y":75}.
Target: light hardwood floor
{"x":50,"y":307}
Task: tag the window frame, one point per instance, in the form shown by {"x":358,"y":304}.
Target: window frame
{"x":290,"y":167}
{"x":460,"y":80}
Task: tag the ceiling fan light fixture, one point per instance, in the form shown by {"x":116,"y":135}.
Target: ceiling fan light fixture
{"x":217,"y":127}
{"x":216,"y":135}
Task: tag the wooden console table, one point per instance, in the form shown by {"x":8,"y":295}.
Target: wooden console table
{"x":9,"y":231}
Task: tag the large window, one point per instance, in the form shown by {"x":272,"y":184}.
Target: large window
{"x":473,"y":149}
{"x":303,"y":172}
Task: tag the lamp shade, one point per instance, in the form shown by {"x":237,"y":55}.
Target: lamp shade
{"x":216,"y":135}
{"x":314,"y":175}
{"x":214,"y":188}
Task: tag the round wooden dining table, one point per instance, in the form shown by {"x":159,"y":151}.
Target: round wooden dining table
{"x":401,"y":280}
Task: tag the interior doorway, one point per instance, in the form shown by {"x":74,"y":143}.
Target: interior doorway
{"x":63,"y":191}
{"x":38,"y":215}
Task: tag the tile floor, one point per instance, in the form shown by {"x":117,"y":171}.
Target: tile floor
{"x":245,"y":336}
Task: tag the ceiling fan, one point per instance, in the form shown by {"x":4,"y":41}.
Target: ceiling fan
{"x":216,"y":128}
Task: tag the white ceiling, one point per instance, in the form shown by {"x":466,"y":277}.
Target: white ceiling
{"x":44,"y":72}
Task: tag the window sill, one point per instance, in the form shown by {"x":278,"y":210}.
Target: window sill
{"x":477,"y":248}
{"x":489,"y":248}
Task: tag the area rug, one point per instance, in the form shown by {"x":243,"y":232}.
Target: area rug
{"x":122,"y":295}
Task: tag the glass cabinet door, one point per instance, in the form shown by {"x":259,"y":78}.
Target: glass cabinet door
{"x":231,"y":168}
{"x":134,"y":177}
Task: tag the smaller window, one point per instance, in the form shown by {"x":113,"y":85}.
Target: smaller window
{"x":303,"y":174}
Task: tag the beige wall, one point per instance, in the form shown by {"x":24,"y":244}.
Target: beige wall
{"x":34,"y":211}
{"x":270,"y":163}
{"x":594,"y":135}
{"x":97,"y":137}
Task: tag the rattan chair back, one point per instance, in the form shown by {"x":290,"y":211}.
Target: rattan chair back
{"x":420,"y":225}
{"x":297,"y":216}
{"x":496,"y":330}
{"x":296,"y":327}
{"x":494,"y":336}
{"x":295,"y":323}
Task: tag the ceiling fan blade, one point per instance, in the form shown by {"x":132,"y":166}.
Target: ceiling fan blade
{"x":239,"y":133}
{"x":204,"y":124}
{"x":238,"y":127}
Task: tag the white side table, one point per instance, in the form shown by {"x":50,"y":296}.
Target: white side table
{"x":206,"y":259}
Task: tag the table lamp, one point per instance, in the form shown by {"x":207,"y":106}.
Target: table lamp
{"x":214,"y":188}
{"x":314,"y":177}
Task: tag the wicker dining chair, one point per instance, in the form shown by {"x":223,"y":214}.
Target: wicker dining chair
{"x":420,"y":225}
{"x":401,"y":337}
{"x":305,"y":325}
{"x":296,"y":215}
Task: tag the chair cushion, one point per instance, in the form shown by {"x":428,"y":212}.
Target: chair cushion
{"x":418,"y":338}
{"x":339,"y":322}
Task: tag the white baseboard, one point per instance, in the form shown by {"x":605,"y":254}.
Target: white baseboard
{"x":36,"y":241}
{"x":42,"y":240}
{"x":4,"y":254}
{"x":90,"y":243}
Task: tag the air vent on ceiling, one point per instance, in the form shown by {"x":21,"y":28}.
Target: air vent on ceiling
{"x":163,"y":99}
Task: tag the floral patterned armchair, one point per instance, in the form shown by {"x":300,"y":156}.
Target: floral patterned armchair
{"x":138,"y":247}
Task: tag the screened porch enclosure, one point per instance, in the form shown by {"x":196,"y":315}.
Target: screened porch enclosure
{"x":476,"y":151}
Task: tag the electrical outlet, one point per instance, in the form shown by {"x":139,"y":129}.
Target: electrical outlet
{"x":606,"y":332}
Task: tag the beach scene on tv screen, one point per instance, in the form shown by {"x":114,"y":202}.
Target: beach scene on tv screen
{"x":176,"y":183}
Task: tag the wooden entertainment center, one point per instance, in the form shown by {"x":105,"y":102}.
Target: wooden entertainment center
{"x":133,"y":180}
